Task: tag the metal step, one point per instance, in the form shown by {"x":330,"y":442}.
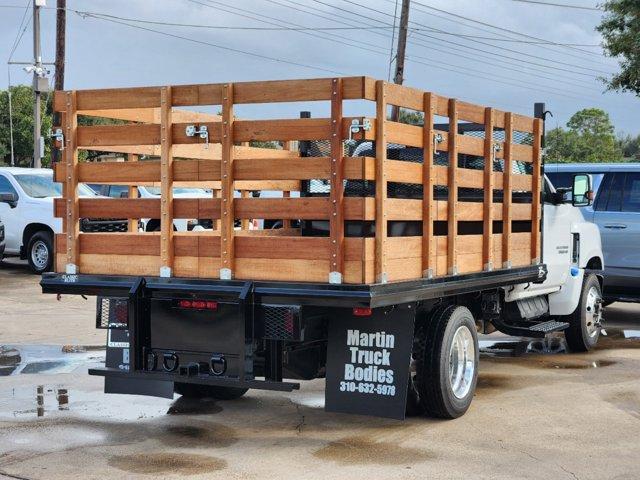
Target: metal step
{"x":549,"y":326}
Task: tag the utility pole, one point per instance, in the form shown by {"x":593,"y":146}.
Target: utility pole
{"x":61,"y":23}
{"x":402,"y":47}
{"x":38,"y":84}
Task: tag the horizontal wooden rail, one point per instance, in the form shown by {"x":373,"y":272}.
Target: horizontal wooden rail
{"x":211,"y":94}
{"x":411,"y":210}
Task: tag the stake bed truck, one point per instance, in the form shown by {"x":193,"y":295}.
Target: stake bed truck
{"x":395,"y":243}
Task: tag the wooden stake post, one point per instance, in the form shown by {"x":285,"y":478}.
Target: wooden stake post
{"x":71,"y":188}
{"x":227,"y":207}
{"x":166,"y":184}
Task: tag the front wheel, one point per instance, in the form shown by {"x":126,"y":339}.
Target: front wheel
{"x":40,"y":252}
{"x":446,"y":359}
{"x":584,"y":324}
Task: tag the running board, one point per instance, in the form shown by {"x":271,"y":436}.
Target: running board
{"x":539,"y":330}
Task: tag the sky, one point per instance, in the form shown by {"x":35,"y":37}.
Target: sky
{"x":453,"y":49}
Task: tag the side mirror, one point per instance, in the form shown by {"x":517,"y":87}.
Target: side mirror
{"x":581,"y":191}
{"x":10,"y":198}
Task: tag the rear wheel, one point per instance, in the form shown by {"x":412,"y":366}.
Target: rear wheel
{"x":445,"y":359}
{"x":584,"y":323}
{"x":40,"y":252}
{"x":193,"y":390}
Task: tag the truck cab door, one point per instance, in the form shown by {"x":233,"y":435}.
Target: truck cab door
{"x":617,"y":214}
{"x":11,"y":218}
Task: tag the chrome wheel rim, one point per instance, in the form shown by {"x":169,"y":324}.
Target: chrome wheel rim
{"x":39,"y":254}
{"x":462,"y":362}
{"x":593,"y":313}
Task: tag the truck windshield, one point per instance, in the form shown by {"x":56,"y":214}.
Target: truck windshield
{"x":42,"y":186}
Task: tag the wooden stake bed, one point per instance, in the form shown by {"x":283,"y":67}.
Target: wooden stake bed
{"x":472,"y":172}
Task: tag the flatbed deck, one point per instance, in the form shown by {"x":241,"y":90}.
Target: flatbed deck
{"x":316,"y":294}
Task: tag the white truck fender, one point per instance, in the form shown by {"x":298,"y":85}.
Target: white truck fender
{"x":566,"y":300}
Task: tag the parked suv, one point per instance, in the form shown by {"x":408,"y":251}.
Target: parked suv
{"x":26,"y":208}
{"x":616,"y":211}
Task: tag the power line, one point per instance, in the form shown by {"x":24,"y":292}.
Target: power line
{"x":563,"y":5}
{"x":413,"y":58}
{"x":21,"y":31}
{"x":512,"y":32}
{"x":221,"y":47}
{"x":351,"y":2}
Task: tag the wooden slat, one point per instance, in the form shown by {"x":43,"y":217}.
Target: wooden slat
{"x":336,"y":194}
{"x":282,"y":168}
{"x":227,"y":205}
{"x":470,"y":145}
{"x":71,"y":185}
{"x":307,"y":208}
{"x":403,"y":172}
{"x":452,"y":215}
{"x":523,"y":153}
{"x":284,"y":129}
{"x":522,"y":123}
{"x":536,"y":190}
{"x":487,"y":225}
{"x":166,"y":184}
{"x":405,"y":97}
{"x":151,"y":115}
{"x":381,"y":182}
{"x":428,"y":179}
{"x":468,"y":112}
{"x":102,"y":135}
{"x":507,"y":189}
{"x":404,"y":134}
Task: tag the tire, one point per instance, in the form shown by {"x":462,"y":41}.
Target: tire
{"x":40,"y":252}
{"x":437,"y":392}
{"x":193,"y":390}
{"x":584,"y":329}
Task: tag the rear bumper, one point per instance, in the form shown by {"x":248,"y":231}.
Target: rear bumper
{"x":316,"y":294}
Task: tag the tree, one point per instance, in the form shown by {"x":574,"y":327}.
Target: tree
{"x":620,"y":29}
{"x":589,"y":139}
{"x":22,"y":107}
{"x":630,"y":147}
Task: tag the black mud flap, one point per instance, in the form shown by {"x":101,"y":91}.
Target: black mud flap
{"x":368,"y":360}
{"x":118,"y":356}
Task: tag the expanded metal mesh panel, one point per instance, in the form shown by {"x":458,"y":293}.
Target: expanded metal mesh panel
{"x":280,"y":322}
{"x":112,"y":312}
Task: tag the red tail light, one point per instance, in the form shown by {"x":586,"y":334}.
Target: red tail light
{"x":198,"y":304}
{"x":362,"y":311}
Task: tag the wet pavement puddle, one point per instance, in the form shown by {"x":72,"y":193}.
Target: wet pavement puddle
{"x":165,"y":462}
{"x":363,"y":450}
{"x":49,"y":359}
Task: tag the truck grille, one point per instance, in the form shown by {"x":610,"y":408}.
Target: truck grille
{"x":89,"y":225}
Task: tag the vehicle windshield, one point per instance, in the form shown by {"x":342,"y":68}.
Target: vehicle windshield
{"x":180,"y":190}
{"x":42,"y":186}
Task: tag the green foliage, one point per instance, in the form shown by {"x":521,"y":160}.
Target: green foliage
{"x":620,"y":29}
{"x":411,"y":117}
{"x":630,"y":147}
{"x":22,"y":106}
{"x":589,"y":139}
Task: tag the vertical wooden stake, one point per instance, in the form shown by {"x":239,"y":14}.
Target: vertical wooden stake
{"x":133,"y":193}
{"x":536,"y":254}
{"x":285,"y":222}
{"x":507,"y":172}
{"x":166,"y":184}
{"x":452,"y":217}
{"x":428,"y":239}
{"x":336,"y":196}
{"x":489,"y":155}
{"x":381,"y":182}
{"x":227,"y":210}
{"x":244,"y":222}
{"x":71,"y":185}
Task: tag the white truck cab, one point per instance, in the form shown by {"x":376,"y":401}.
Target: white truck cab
{"x":26,"y":209}
{"x":572,"y":253}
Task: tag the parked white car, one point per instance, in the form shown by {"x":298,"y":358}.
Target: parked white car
{"x":153,"y":224}
{"x":26,"y":209}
